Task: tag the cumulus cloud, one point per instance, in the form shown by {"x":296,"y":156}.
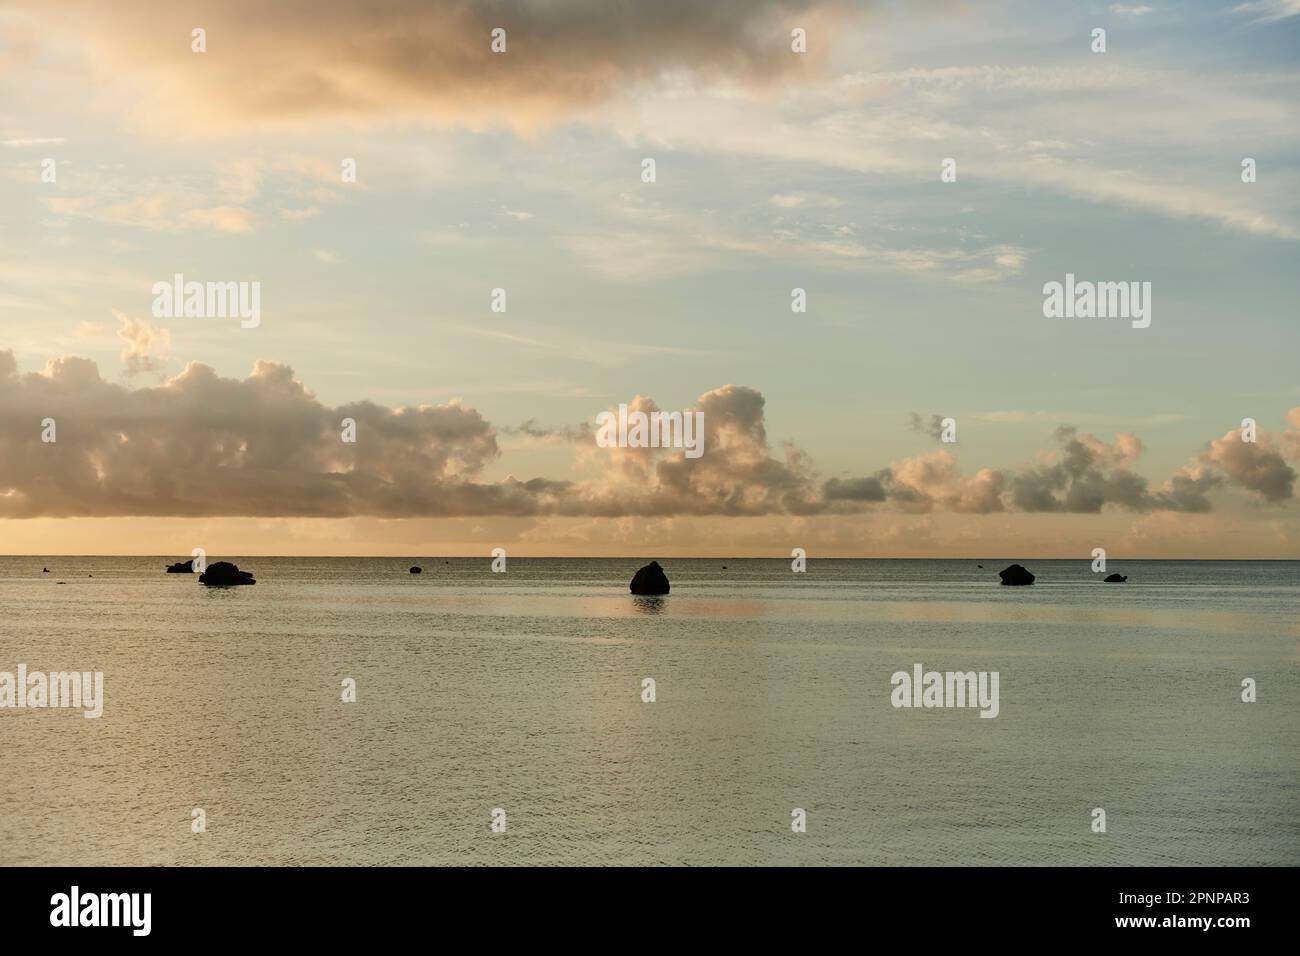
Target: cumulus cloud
{"x":1259,"y":466}
{"x":200,"y":445}
{"x":1082,"y":476}
{"x":933,"y":482}
{"x":1087,"y":474}
{"x":146,"y":344}
{"x":930,"y":482}
{"x":736,"y":475}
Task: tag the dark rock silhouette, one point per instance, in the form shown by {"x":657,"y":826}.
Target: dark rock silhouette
{"x":224,"y":574}
{"x":416,"y":569}
{"x":181,"y":567}
{"x":45,"y":570}
{"x":1116,"y":578}
{"x":1016,"y":575}
{"x":649,"y":580}
{"x":979,"y":565}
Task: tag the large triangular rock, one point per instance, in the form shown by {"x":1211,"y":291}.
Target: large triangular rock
{"x":649,"y":580}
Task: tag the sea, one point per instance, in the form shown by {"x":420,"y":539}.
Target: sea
{"x":546,"y":716}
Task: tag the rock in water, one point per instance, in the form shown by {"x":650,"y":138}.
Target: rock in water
{"x":649,"y":580}
{"x":1017,"y":574}
{"x":181,"y":567}
{"x":1116,"y":578}
{"x":416,"y":569}
{"x":224,"y":574}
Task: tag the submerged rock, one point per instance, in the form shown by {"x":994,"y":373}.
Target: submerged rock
{"x":1016,"y":575}
{"x":224,"y":574}
{"x":1116,"y":578}
{"x":416,"y":569}
{"x":181,"y":567}
{"x":649,"y":580}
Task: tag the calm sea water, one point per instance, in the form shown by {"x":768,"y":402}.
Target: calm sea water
{"x":523,"y":691}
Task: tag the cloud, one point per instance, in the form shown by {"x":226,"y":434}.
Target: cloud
{"x":223,"y":218}
{"x":199,"y":445}
{"x":1269,"y":11}
{"x":161,"y":211}
{"x":290,"y":186}
{"x":90,"y":330}
{"x":856,"y":489}
{"x":736,"y":475}
{"x":202,"y":445}
{"x":315,"y":58}
{"x":934,"y":428}
{"x":567,"y":434}
{"x":932,"y":482}
{"x":1084,"y":475}
{"x":146,"y":344}
{"x":675,"y":244}
{"x":1006,"y":125}
{"x":1186,"y":491}
{"x":1258,"y":466}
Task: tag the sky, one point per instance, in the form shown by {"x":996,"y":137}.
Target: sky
{"x":127,"y":157}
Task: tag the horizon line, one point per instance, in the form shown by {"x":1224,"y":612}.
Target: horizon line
{"x":650,"y":556}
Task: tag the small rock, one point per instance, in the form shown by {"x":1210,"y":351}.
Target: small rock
{"x":416,"y":569}
{"x":1116,"y":578}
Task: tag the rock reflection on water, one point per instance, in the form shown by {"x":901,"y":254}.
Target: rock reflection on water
{"x":648,"y":605}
